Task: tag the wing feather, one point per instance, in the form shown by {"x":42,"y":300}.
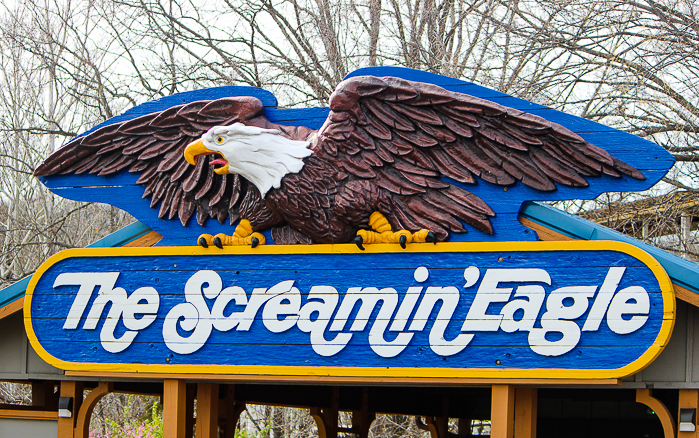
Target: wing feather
{"x":421,"y":133}
{"x":153,"y":146}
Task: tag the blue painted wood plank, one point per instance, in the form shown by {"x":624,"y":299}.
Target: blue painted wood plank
{"x":267,"y":98}
{"x":169,"y":272}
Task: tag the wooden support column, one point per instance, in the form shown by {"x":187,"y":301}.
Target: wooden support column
{"x":207,"y":410}
{"x":230,"y":412}
{"x":362,"y":419}
{"x":174,"y":408}
{"x":43,"y":395}
{"x":525,"y":412}
{"x":326,"y":418}
{"x":464,"y":429}
{"x":75,"y":391}
{"x":189,"y":410}
{"x":502,"y":411}
{"x":669,"y":427}
{"x":689,"y":399}
{"x":82,"y":423}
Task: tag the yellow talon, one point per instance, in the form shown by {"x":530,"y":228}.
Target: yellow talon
{"x":420,"y":236}
{"x":243,"y":235}
{"x":383,"y":233}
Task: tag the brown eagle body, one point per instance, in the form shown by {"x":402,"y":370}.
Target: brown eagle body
{"x":389,"y":145}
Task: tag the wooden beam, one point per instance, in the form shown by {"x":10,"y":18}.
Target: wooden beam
{"x":502,"y":411}
{"x":546,"y":234}
{"x":146,"y":240}
{"x":75,"y":391}
{"x":525,"y":412}
{"x":669,"y":427}
{"x":343,"y":380}
{"x":207,"y":410}
{"x":26,"y":414}
{"x":12,"y":308}
{"x":82,"y":423}
{"x":174,"y":401}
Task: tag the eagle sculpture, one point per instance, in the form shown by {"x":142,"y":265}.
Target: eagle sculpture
{"x":393,"y":162}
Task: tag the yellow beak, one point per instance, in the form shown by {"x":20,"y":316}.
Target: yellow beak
{"x":193,"y":149}
{"x":197,"y":148}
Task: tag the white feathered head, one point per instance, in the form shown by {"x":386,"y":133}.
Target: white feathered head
{"x":262,"y":156}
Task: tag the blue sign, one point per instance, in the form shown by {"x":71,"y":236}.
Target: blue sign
{"x":479,"y":310}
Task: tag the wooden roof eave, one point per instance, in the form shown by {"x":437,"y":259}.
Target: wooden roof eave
{"x":553,"y":224}
{"x":135,"y":234}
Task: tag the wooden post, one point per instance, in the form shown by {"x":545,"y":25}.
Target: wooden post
{"x":207,"y":410}
{"x":326,"y":418}
{"x":74,"y":390}
{"x":189,"y":410}
{"x":362,"y":419}
{"x":43,"y":395}
{"x":502,"y":411}
{"x":174,"y":401}
{"x":464,"y":427}
{"x":689,"y":399}
{"x":525,"y":412}
{"x":230,"y":412}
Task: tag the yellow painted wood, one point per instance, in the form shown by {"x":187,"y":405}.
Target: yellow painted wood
{"x":502,"y":411}
{"x":207,"y":410}
{"x":525,"y":412}
{"x":669,"y":427}
{"x":82,"y":423}
{"x":174,"y":397}
{"x":370,"y":372}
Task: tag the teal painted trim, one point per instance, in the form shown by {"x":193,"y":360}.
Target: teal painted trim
{"x":117,"y":238}
{"x":682,"y":272}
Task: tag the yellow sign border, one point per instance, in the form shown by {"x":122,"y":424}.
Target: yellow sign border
{"x":370,"y":372}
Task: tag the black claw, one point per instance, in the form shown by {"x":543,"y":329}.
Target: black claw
{"x":431,"y":237}
{"x":202,"y":242}
{"x":218,"y":243}
{"x":255,"y":242}
{"x":403,"y":241}
{"x":358,"y":241}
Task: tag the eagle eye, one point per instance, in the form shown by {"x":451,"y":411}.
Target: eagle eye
{"x":219,"y":140}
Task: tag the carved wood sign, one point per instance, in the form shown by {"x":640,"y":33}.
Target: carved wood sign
{"x":426,"y":151}
{"x":486,"y":310}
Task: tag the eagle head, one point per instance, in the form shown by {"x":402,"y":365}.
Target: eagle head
{"x":262,"y":156}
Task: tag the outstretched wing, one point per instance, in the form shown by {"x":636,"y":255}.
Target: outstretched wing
{"x":153,"y":146}
{"x":405,"y":136}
